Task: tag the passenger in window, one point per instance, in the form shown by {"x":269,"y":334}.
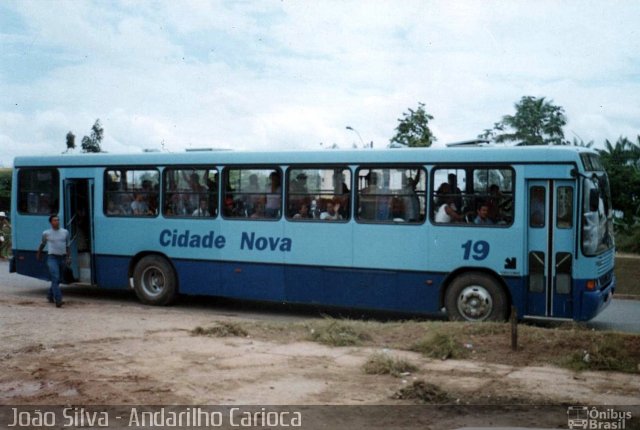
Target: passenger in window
{"x":303,"y":212}
{"x":410,"y":200}
{"x":202,"y":210}
{"x":258,"y":211}
{"x":482,"y":218}
{"x":272,"y":207}
{"x":332,"y":212}
{"x":298,"y":193}
{"x":253,"y":196}
{"x":455,"y":191}
{"x":368,"y":197}
{"x":112,"y":208}
{"x":344,"y":199}
{"x":139,"y":205}
{"x":397,"y":209}
{"x":446,"y":208}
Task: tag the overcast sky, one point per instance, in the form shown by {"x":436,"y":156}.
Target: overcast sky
{"x":292,"y":74}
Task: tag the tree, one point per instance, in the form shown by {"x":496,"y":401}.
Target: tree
{"x":92,"y":143}
{"x":71,"y":141}
{"x":413,"y":129}
{"x":536,"y":122}
{"x":620,"y":160}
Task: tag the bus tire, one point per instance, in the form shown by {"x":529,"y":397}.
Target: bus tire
{"x":154,"y":281}
{"x":476,"y":297}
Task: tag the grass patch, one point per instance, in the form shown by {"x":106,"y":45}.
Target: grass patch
{"x":423,"y":392}
{"x":221,"y":329}
{"x":605,"y":354}
{"x":440,"y":345}
{"x":384,"y":364}
{"x":627,"y":272}
{"x":334,"y":332}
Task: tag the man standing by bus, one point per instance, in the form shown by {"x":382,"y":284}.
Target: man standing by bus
{"x":56,"y":240}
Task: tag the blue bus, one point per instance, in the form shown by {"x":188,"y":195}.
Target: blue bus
{"x":469,"y":231}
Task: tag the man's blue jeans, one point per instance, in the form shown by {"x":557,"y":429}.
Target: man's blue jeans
{"x":55,"y":263}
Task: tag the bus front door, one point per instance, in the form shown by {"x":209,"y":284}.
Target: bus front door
{"x":78,"y":220}
{"x":551,"y":245}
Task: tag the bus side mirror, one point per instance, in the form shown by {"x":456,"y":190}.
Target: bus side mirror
{"x":594,"y":200}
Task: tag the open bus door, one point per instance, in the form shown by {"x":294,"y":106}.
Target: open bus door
{"x":78,"y":219}
{"x":551,"y":247}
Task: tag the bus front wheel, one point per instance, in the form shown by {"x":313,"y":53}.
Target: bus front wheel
{"x":154,"y":281}
{"x":476,"y":297}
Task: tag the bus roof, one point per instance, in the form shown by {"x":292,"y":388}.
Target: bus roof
{"x":465,"y":154}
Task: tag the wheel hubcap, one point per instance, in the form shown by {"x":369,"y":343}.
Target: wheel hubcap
{"x":474,"y":303}
{"x":153,"y":281}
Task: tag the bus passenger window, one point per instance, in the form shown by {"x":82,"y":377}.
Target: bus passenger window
{"x":191,"y":192}
{"x":131,"y":192}
{"x":252,"y":193}
{"x":391,"y":195}
{"x":38,"y":191}
{"x":320,"y":193}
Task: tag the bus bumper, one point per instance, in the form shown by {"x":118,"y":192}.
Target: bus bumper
{"x":594,"y":302}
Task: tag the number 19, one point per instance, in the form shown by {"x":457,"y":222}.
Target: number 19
{"x":480,"y":249}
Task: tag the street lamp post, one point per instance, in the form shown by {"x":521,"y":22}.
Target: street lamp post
{"x":356,"y":132}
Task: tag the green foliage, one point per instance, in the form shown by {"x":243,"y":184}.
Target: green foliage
{"x":608,"y":354}
{"x":5,"y":189}
{"x":71,"y":141}
{"x":621,"y":160}
{"x":536,"y":122}
{"x":92,"y":143}
{"x":413,"y":129}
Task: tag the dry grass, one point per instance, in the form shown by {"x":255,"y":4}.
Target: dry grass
{"x":335,"y":332}
{"x":384,"y":364}
{"x":221,"y":329}
{"x":423,"y":392}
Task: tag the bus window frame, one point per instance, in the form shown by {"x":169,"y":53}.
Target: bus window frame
{"x":53,"y":192}
{"x":374,"y":166}
{"x":164,"y":191}
{"x":128,"y":168}
{"x":329,"y":166}
{"x":224,"y":175}
{"x":469,"y":168}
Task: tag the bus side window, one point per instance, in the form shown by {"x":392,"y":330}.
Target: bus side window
{"x":38,"y":191}
{"x":391,"y":195}
{"x":252,"y":193}
{"x":131,"y":192}
{"x":318,"y":192}
{"x":191,"y":192}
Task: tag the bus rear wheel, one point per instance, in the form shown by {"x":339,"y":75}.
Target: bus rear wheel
{"x":476,"y":297}
{"x":154,"y":281}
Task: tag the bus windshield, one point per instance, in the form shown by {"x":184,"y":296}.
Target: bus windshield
{"x":597,"y":221}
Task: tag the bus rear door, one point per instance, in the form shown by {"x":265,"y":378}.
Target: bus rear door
{"x":551,"y":247}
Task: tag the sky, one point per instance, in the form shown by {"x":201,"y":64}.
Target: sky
{"x":293,"y":74}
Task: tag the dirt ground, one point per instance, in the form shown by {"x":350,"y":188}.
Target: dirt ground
{"x":105,"y":348}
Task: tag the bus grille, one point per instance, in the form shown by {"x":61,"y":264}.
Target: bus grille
{"x":605,"y":264}
{"x":605,"y":279}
